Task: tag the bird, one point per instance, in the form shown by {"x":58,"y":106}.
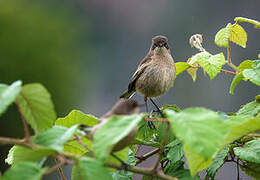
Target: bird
{"x":155,"y":74}
{"x":122,"y":107}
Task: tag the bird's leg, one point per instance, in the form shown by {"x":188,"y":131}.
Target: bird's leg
{"x":158,"y":109}
{"x":149,"y":123}
{"x":125,"y":165}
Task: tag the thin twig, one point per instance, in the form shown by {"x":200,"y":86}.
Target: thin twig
{"x":146,"y":171}
{"x":156,"y":120}
{"x":54,"y":168}
{"x":138,"y":146}
{"x":227,"y":71}
{"x":163,"y":146}
{"x":252,"y":135}
{"x":60,"y":170}
{"x":237,"y":169}
{"x":146,"y":156}
{"x":84,"y":145}
{"x":229,"y":53}
{"x":25,"y":125}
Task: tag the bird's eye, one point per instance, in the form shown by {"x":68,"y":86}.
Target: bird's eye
{"x":154,"y":46}
{"x":166,"y":45}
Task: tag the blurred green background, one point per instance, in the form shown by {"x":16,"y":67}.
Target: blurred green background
{"x":84,"y":51}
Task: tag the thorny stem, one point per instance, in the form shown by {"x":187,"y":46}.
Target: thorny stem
{"x":25,"y":125}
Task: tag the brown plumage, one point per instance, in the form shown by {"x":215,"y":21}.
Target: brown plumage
{"x":122,"y":107}
{"x":155,"y":73}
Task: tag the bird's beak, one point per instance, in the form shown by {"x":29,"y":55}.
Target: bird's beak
{"x":160,"y":45}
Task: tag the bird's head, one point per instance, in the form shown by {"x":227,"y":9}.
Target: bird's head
{"x":160,"y":45}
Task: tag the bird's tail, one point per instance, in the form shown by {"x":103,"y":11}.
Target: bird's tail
{"x":127,"y":94}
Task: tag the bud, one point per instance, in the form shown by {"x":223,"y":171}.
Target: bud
{"x":196,"y":41}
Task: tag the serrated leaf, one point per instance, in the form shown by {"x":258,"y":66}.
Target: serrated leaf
{"x":247,"y":64}
{"x":89,"y":169}
{"x":236,"y":80}
{"x":238,"y":35}
{"x":180,"y":67}
{"x":253,"y":74}
{"x":36,"y":106}
{"x":175,"y":153}
{"x":199,"y":56}
{"x":218,"y":162}
{"x":114,"y":130}
{"x":77,"y":117}
{"x":8,"y":94}
{"x":55,"y":137}
{"x":74,"y":147}
{"x":252,"y":169}
{"x":247,"y":20}
{"x":240,"y":126}
{"x":213,"y":65}
{"x":24,"y":170}
{"x":251,"y":109}
{"x":145,"y":132}
{"x":201,"y":131}
{"x":249,"y":152}
{"x":223,"y":35}
{"x":178,"y":170}
{"x":125,"y":175}
{"x":20,"y":154}
{"x":192,"y":71}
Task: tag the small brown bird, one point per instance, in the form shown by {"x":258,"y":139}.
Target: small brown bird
{"x":122,"y":107}
{"x":155,"y":73}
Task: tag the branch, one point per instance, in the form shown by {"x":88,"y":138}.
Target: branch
{"x":163,"y":146}
{"x":145,"y":171}
{"x":60,"y":170}
{"x":146,"y":156}
{"x":156,"y":120}
{"x":84,"y":145}
{"x":228,"y":72}
{"x":25,"y":125}
{"x":252,"y":135}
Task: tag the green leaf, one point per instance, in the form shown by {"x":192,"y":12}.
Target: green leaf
{"x":36,"y":106}
{"x":55,"y":137}
{"x":176,"y":152}
{"x":201,"y":131}
{"x":239,"y":77}
{"x":115,"y":129}
{"x":252,"y":169}
{"x":178,"y":170}
{"x":192,"y":71}
{"x":238,"y":35}
{"x":24,"y":170}
{"x":247,"y":64}
{"x":222,"y":37}
{"x":77,"y":117}
{"x":253,"y":74}
{"x":213,"y":65}
{"x":74,"y":147}
{"x":199,"y":56}
{"x":8,"y":94}
{"x":249,"y":152}
{"x":218,"y":162}
{"x":251,"y":109}
{"x":125,"y":175}
{"x":180,"y":67}
{"x":247,"y":20}
{"x":145,"y":132}
{"x":90,"y":169}
{"x":20,"y":154}
{"x":240,"y":126}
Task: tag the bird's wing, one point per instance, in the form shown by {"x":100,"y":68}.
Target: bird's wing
{"x":141,"y":67}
